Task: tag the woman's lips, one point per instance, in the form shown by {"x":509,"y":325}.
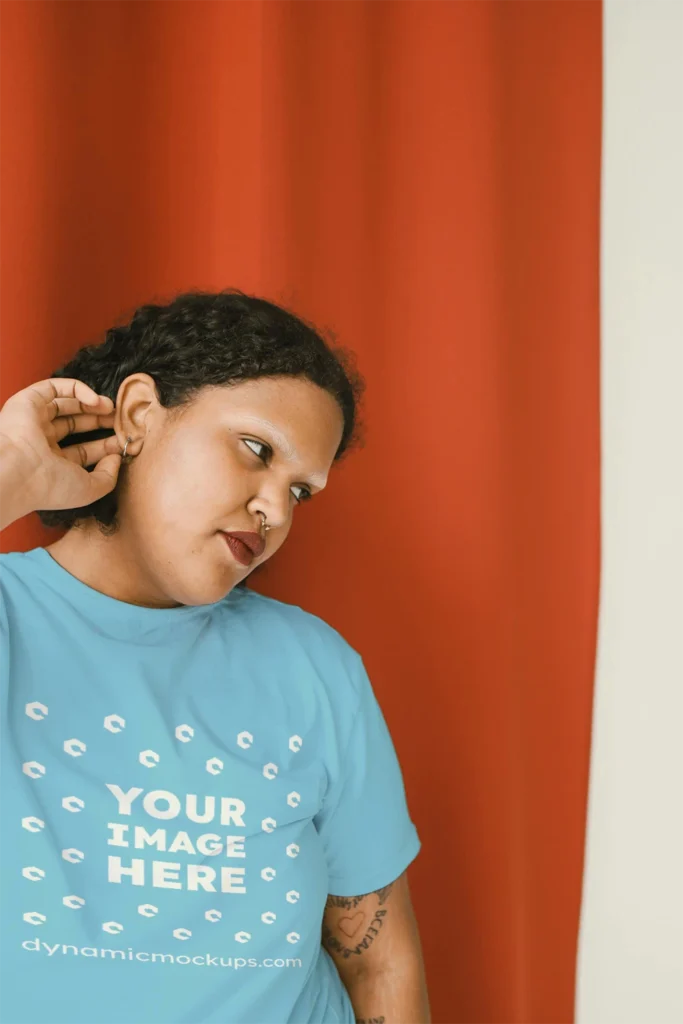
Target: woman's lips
{"x":239,"y":549}
{"x":245,"y":547}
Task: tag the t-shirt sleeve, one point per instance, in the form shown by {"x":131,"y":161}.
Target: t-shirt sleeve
{"x":368,"y":836}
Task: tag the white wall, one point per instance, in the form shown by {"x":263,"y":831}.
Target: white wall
{"x":630,"y":962}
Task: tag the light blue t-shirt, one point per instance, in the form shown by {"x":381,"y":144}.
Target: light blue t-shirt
{"x":181,"y":789}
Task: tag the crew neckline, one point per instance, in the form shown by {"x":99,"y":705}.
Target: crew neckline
{"x":111,"y":610}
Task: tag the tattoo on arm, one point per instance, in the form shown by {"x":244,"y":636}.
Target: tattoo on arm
{"x":349,"y":902}
{"x":370,"y":1020}
{"x":356,"y":931}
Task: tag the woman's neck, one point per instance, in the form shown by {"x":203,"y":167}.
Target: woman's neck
{"x":108,"y":564}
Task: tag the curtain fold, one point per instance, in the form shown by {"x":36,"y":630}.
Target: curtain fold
{"x":422,"y":179}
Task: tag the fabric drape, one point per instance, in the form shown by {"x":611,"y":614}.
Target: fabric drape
{"x":423,"y":179}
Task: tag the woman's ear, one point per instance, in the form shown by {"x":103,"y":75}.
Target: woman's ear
{"x":137,"y":406}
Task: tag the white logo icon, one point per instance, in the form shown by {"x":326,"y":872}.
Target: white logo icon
{"x":33,"y":874}
{"x":293,"y":937}
{"x":181,"y":933}
{"x":213,"y":915}
{"x":113,"y":927}
{"x":292,"y":896}
{"x":295,"y":743}
{"x":268,"y":824}
{"x":36,"y":710}
{"x":73,"y":902}
{"x":74,"y":747}
{"x":293,"y":799}
{"x":148,"y":910}
{"x":214,"y":765}
{"x":149,"y":758}
{"x":270,"y":770}
{"x":242,"y":936}
{"x":114,"y":723}
{"x":73,"y":855}
{"x":245,"y":739}
{"x":268,"y":917}
{"x":268,"y":874}
{"x":184,"y":733}
{"x":35,"y":918}
{"x":34,"y":769}
{"x":73,"y":803}
{"x":32,"y":824}
{"x":292,"y":850}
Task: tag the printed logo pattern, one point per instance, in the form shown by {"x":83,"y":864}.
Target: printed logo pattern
{"x":162,"y":805}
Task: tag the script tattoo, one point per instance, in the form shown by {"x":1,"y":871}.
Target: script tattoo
{"x":355,"y":932}
{"x":370,"y":1020}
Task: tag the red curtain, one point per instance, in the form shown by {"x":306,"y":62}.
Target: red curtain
{"x":423,"y":178}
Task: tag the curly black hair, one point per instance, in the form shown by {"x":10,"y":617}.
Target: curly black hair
{"x":201,"y":339}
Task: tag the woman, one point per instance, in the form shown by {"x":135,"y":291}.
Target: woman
{"x":204,"y":819}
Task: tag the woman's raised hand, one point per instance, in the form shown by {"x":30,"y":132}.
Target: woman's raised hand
{"x":35,"y":473}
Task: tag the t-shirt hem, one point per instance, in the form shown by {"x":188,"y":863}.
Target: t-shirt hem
{"x":389,"y":872}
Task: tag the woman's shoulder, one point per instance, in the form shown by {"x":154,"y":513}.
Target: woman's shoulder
{"x":13,"y":566}
{"x":15,"y":560}
{"x":11,"y":576}
{"x":12,"y":559}
{"x":304,"y":627}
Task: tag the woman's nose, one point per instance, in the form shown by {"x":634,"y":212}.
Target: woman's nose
{"x":276,"y":512}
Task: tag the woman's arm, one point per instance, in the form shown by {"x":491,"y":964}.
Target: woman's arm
{"x":14,"y":502}
{"x":375,"y":944}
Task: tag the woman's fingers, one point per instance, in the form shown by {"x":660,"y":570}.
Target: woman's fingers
{"x":70,"y":407}
{"x":81,"y":424}
{"x":92,"y":451}
{"x":70,"y":387}
{"x":66,"y":407}
{"x":34,"y":418}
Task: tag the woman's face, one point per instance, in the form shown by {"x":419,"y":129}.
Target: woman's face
{"x":259,"y":446}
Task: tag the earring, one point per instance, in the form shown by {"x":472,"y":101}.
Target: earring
{"x":123,"y":453}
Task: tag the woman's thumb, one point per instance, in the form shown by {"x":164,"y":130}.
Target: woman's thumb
{"x":104,"y":476}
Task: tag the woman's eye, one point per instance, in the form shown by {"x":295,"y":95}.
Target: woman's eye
{"x":259,"y":444}
{"x":304,"y":494}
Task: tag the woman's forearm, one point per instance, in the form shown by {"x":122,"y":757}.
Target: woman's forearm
{"x":14,"y":499}
{"x":396,"y":996}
